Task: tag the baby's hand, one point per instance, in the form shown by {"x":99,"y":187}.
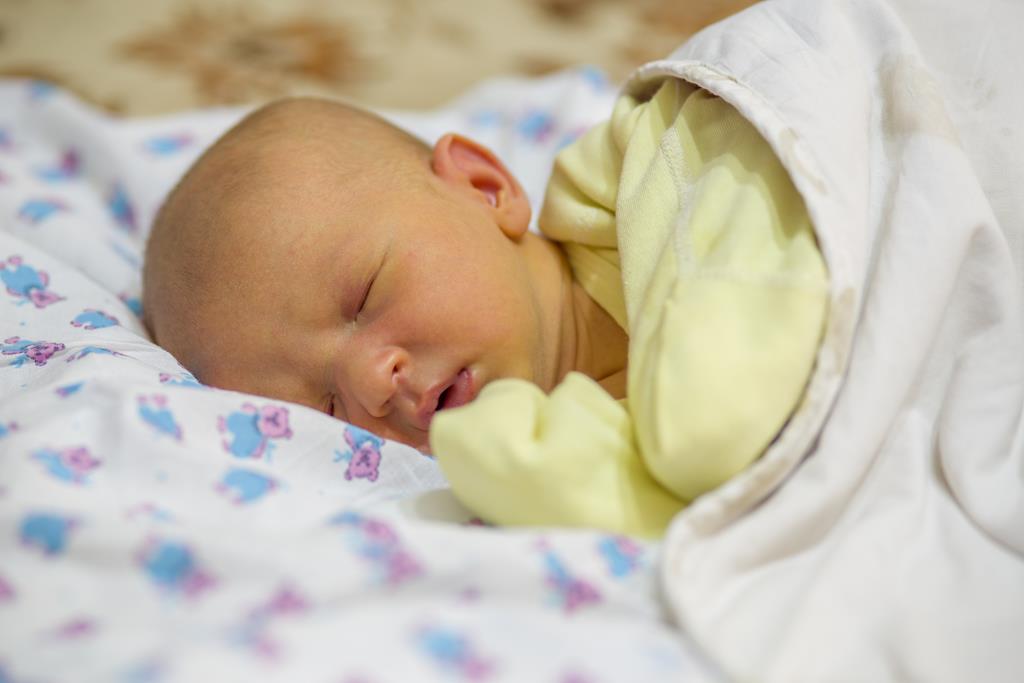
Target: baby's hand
{"x":517,"y":456}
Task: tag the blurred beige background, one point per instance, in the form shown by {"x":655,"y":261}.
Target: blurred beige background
{"x":155,"y":56}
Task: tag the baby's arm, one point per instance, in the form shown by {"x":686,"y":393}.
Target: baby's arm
{"x":518,"y":456}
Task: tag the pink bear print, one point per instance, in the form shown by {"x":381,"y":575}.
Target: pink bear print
{"x":6,"y":591}
{"x":378,"y":543}
{"x":25,"y":350}
{"x":273,"y":422}
{"x":27,"y":283}
{"x":184,"y":379}
{"x":255,"y":630}
{"x":75,"y":628}
{"x":252,"y":428}
{"x":363,"y":455}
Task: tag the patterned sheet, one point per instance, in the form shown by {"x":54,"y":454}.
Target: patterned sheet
{"x":152,"y":529}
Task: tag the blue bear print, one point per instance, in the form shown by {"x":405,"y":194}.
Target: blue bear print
{"x":173,"y":567}
{"x":49,"y":533}
{"x":121,"y":209}
{"x":252,"y":428}
{"x":35,"y":211}
{"x":67,"y":168}
{"x":537,"y":125}
{"x":69,"y":389}
{"x":69,"y":464}
{"x":25,"y":350}
{"x":621,"y":554}
{"x":453,"y":652}
{"x":154,"y":411}
{"x":92,"y":319}
{"x":26,"y":283}
{"x":133,"y":303}
{"x":244,"y":486}
{"x":166,"y":145}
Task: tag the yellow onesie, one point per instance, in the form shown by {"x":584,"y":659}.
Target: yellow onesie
{"x":678,"y":220}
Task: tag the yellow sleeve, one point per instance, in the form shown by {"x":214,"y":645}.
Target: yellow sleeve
{"x":727,"y":314}
{"x":518,"y":456}
{"x":579,"y":206}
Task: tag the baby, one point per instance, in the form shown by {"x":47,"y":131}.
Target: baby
{"x":319,"y":255}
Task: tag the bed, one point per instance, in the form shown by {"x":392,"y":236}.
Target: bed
{"x":156,"y":529}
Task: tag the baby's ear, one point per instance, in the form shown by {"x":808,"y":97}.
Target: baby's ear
{"x":470,"y":167}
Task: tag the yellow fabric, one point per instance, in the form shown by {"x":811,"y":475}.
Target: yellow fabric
{"x":678,"y":220}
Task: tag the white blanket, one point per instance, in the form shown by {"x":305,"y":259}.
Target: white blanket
{"x":153,"y":530}
{"x":894,"y":550}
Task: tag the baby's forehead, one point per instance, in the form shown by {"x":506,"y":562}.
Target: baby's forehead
{"x":296,"y":205}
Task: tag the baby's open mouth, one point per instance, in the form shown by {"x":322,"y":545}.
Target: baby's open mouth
{"x":458,"y":393}
{"x":442,"y":400}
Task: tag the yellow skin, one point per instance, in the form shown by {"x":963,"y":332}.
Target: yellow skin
{"x":318,"y":255}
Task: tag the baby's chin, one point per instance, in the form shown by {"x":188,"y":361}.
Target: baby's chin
{"x":422,"y":444}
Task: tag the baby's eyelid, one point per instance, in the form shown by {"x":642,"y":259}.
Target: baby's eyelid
{"x":335,"y":408}
{"x":371,"y":283}
{"x":366,"y":295}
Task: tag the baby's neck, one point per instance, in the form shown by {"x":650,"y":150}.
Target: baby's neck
{"x":587,"y":339}
{"x":602,"y":347}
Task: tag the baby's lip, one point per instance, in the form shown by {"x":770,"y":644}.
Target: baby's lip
{"x":461,"y":389}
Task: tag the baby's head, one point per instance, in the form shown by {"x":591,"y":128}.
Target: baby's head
{"x":318,"y":254}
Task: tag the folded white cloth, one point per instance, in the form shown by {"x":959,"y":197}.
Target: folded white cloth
{"x":895,"y":550}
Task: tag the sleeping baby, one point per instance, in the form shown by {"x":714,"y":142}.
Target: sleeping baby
{"x":647,"y":346}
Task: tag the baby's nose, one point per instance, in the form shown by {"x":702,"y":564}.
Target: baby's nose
{"x":384,"y":376}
